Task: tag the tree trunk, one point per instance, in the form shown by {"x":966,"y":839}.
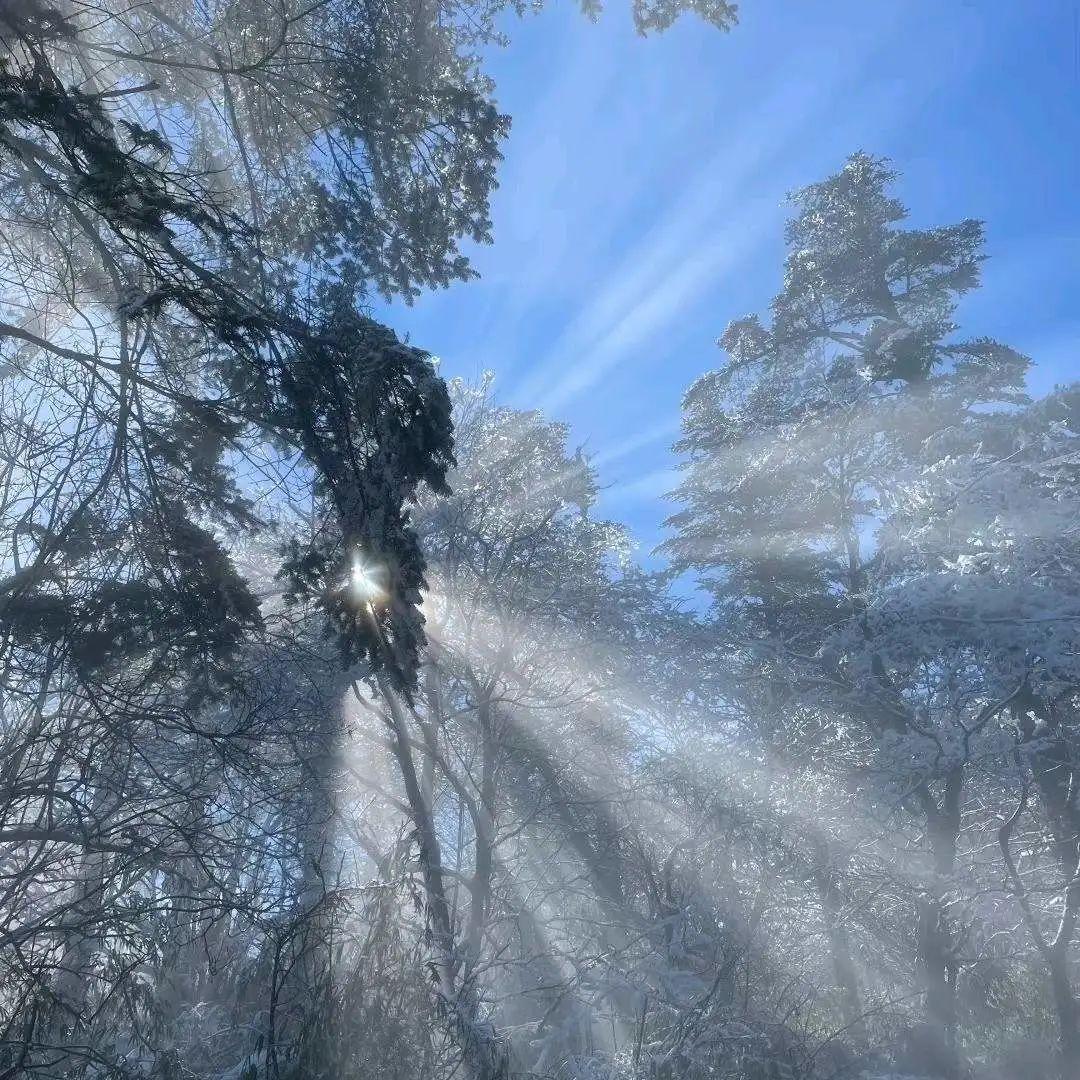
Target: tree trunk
{"x":1055,"y":775}
{"x":843,"y":964}
{"x":483,"y":1053}
{"x":936,"y":952}
{"x":1067,"y":1013}
{"x":1065,"y":1003}
{"x":483,"y":864}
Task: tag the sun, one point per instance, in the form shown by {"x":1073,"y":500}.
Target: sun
{"x":364,"y":581}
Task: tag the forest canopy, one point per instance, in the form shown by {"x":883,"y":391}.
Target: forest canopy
{"x":343,"y":735}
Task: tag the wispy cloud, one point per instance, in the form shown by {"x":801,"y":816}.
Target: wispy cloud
{"x":661,"y":432}
{"x":661,"y":281}
{"x":706,"y":229}
{"x":653,"y":485}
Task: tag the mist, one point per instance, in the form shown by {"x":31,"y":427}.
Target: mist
{"x":539,"y":543}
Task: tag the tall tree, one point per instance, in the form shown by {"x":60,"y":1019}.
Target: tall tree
{"x":799,"y":456}
{"x":198,"y":202}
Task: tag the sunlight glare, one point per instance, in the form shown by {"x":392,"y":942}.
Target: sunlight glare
{"x":363,"y":581}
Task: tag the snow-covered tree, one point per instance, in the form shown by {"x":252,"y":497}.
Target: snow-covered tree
{"x":855,"y":498}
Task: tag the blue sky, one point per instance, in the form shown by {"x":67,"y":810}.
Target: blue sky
{"x":641,"y":206}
